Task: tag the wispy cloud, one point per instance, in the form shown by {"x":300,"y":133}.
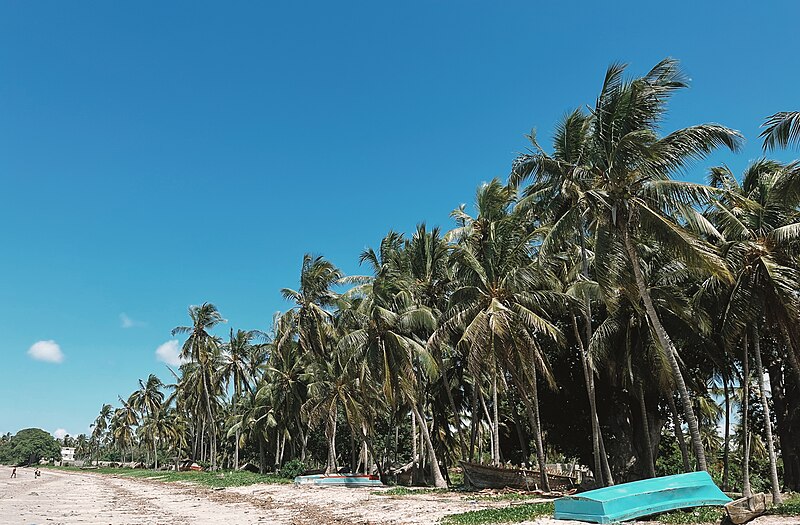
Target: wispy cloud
{"x":47,"y":351}
{"x":170,"y":353}
{"x":128,"y":322}
{"x":60,"y":433}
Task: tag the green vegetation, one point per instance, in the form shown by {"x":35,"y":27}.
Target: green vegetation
{"x":689,"y":516}
{"x":599,"y":296}
{"x":206,"y":479}
{"x":28,"y":446}
{"x":789,"y":507}
{"x":510,"y":514}
{"x":406,"y":491}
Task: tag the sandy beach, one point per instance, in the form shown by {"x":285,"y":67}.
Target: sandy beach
{"x":66,"y":497}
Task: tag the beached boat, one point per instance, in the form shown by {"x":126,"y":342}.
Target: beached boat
{"x":346,"y":480}
{"x":479,"y":477}
{"x":743,"y":510}
{"x":641,"y":498}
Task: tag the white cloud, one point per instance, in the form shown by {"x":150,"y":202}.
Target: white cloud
{"x":48,"y":351}
{"x":169,"y":353}
{"x":128,"y":322}
{"x":60,"y":433}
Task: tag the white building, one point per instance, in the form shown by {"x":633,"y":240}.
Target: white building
{"x":67,"y":454}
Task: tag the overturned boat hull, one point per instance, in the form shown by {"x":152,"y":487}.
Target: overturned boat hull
{"x":339,"y":480}
{"x":628,"y":501}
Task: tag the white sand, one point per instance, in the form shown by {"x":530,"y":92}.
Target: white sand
{"x":66,"y":497}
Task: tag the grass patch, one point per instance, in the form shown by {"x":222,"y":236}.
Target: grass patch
{"x":506,"y":496}
{"x":510,"y":514}
{"x":229,"y":478}
{"x":690,"y":516}
{"x":789,"y":507}
{"x":405,"y":491}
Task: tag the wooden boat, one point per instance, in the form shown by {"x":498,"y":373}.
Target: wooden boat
{"x":479,"y":477}
{"x":743,"y":510}
{"x":342,"y":480}
{"x":641,"y":498}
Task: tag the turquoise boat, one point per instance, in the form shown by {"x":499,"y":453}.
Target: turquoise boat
{"x":641,"y":498}
{"x":341,"y":480}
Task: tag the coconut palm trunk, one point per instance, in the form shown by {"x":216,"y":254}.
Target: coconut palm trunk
{"x":331,"y":433}
{"x":676,"y":423}
{"x":438,"y":479}
{"x":746,"y":490}
{"x":648,"y":444}
{"x":773,"y":464}
{"x":495,"y":420}
{"x":532,"y":408}
{"x":669,"y":349}
{"x":602,"y":472}
{"x":600,"y":461}
{"x":727,"y":446}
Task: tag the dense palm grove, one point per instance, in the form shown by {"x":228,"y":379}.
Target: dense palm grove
{"x":594,"y":309}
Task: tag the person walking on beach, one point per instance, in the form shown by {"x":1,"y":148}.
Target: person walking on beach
{"x":14,"y":472}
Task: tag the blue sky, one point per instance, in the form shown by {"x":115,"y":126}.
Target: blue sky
{"x":157,"y":155}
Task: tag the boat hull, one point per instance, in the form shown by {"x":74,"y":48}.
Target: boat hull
{"x":745,"y":509}
{"x":339,"y":480}
{"x":628,"y":501}
{"x":479,"y":477}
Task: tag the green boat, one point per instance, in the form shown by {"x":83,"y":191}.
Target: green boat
{"x":628,"y":501}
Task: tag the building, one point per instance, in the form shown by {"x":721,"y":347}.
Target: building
{"x":67,"y":454}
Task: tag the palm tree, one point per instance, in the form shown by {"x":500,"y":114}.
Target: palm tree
{"x":636,"y":199}
{"x":235,"y":369}
{"x":148,"y":400}
{"x":389,"y":327}
{"x":499,"y":310}
{"x":121,"y":428}
{"x":100,"y":426}
{"x":759,"y":224}
{"x":557,"y":197}
{"x":203,"y":348}
{"x":312,"y":301}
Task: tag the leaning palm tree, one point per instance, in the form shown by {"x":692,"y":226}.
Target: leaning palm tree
{"x":100,"y":426}
{"x":635,"y":197}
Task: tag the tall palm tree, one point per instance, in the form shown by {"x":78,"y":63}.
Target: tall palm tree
{"x":500,"y":308}
{"x":759,"y":223}
{"x":148,"y":400}
{"x":557,"y":197}
{"x":100,"y":426}
{"x":636,"y":199}
{"x":235,"y":369}
{"x":312,"y":301}
{"x":203,"y":349}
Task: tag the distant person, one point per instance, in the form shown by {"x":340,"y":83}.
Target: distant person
{"x":37,"y":473}
{"x":14,"y":472}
